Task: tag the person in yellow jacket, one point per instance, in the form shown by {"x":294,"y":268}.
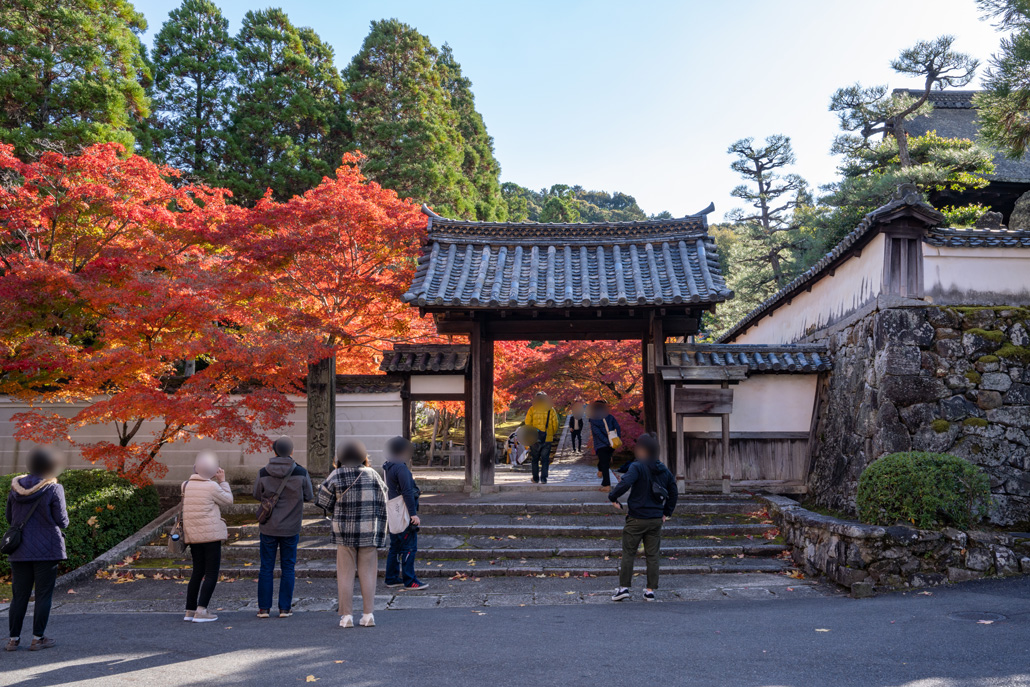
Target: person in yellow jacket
{"x":544,"y":419}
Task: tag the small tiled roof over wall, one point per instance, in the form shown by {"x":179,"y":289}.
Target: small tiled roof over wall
{"x":478,"y":265}
{"x":425,"y":359}
{"x":796,"y":358}
{"x":978,"y":238}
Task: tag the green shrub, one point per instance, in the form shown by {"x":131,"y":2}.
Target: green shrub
{"x":103,"y":509}
{"x":923,"y":489}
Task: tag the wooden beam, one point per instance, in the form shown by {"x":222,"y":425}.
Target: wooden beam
{"x":437,"y":397}
{"x":488,"y":438}
{"x":661,"y":407}
{"x":700,"y":402}
{"x":573,"y":329}
{"x":704,"y":374}
{"x":726,"y":443}
{"x":650,"y":378}
{"x":406,"y":407}
{"x":473,"y":421}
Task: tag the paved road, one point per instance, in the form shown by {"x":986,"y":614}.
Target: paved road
{"x":911,"y":639}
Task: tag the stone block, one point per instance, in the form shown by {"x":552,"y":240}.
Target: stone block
{"x":988,"y":400}
{"x":863,"y":590}
{"x":956,"y":408}
{"x":847,"y":577}
{"x":918,"y":415}
{"x":900,"y":325}
{"x":896,"y":359}
{"x":979,"y":559}
{"x":963,"y":575}
{"x":1013,"y":416}
{"x":949,"y":348}
{"x":1005,"y":561}
{"x":927,"y":579}
{"x":995,"y":381}
{"x":1024,"y":565}
{"x":943,"y":318}
{"x":902,"y":534}
{"x":1018,"y":395}
{"x":955,"y":535}
{"x":1017,"y":436}
{"x":942,"y":333}
{"x":929,"y":439}
{"x":906,"y":390}
{"x":974,"y":345}
{"x":1018,"y":334}
{"x":977,"y":318}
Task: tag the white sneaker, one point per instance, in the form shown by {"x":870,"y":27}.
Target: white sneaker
{"x":368,"y":620}
{"x":620,"y":594}
{"x":189,"y":616}
{"x":202,"y":616}
{"x":346,"y":621}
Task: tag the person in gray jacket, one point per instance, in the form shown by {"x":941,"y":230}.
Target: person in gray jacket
{"x":282,"y":529}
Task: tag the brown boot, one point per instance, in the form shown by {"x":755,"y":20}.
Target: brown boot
{"x":41,"y":643}
{"x":12,"y":644}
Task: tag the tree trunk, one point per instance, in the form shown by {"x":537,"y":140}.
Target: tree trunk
{"x":321,"y":416}
{"x":902,"y":138}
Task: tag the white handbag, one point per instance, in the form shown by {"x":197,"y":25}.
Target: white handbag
{"x":397,"y":516}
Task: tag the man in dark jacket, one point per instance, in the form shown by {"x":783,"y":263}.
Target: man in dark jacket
{"x":400,"y":560}
{"x":602,"y":422}
{"x":652,"y":499}
{"x":282,"y":529}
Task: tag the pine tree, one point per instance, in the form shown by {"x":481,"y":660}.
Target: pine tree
{"x":479,"y":166}
{"x":768,"y":241}
{"x":404,"y":120}
{"x":194,"y":75}
{"x":71,"y":73}
{"x":1004,"y":104}
{"x":289,"y":127}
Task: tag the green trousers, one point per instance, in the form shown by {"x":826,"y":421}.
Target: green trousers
{"x":650,"y":530}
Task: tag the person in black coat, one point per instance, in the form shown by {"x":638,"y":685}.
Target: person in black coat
{"x":400,"y":560}
{"x":36,"y":503}
{"x":652,"y":499}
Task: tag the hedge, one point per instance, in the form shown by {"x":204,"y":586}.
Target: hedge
{"x":103,"y":509}
{"x":923,"y":489}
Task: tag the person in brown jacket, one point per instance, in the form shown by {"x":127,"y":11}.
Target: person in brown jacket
{"x":204,"y":530}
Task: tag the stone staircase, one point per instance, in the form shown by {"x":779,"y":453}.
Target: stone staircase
{"x":528,"y":534}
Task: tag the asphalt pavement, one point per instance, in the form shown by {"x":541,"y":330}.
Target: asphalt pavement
{"x":970,"y":634}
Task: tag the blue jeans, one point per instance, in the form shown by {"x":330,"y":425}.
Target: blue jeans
{"x":287,"y":547}
{"x":400,"y":561}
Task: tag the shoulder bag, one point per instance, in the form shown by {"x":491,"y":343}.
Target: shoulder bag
{"x":267,"y":505}
{"x":177,"y":535}
{"x":11,"y":540}
{"x":614,"y":440}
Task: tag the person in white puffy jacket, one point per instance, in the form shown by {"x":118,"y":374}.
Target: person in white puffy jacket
{"x":204,"y":530}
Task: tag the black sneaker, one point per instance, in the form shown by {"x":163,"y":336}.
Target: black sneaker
{"x":621,"y":593}
{"x":648,"y":595}
{"x":536,"y":481}
{"x":543,"y":481}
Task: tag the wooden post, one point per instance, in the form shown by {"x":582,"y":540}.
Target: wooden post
{"x":321,"y":403}
{"x":474,"y":420}
{"x":681,"y":453}
{"x":469,"y":425}
{"x":406,"y":407}
{"x":725,"y":447}
{"x":661,"y":406}
{"x":488,"y":438}
{"x":647,"y":360}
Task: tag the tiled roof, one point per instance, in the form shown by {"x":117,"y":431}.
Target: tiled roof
{"x":797,"y":358}
{"x":528,"y":264}
{"x":906,"y":201}
{"x":954,"y":116}
{"x":425,"y":358}
{"x":368,"y":384}
{"x":978,"y":238}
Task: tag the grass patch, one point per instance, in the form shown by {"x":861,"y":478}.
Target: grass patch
{"x":940,"y":426}
{"x":973,"y":376}
{"x":1014,"y":352}
{"x":987,"y":359}
{"x":974,"y":422}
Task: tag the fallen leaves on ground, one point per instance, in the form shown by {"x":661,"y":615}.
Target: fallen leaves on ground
{"x":795,"y":574}
{"x":312,"y":678}
{"x":821,"y":629}
{"x":72,"y":591}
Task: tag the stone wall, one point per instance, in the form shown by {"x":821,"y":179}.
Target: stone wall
{"x":917,"y":377}
{"x":860,"y":556}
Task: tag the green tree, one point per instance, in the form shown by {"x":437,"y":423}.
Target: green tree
{"x":404,"y":121}
{"x":872,"y":111}
{"x":559,"y":205}
{"x":479,"y":166}
{"x":768,"y":242}
{"x":289,"y":127}
{"x":194,"y":81}
{"x":1005,"y":102}
{"x":71,"y":73}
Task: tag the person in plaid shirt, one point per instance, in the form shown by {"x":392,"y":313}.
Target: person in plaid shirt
{"x":353,"y":497}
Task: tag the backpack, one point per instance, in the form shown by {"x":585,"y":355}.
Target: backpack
{"x":267,"y":505}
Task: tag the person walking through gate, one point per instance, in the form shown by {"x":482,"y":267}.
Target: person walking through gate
{"x":607,"y":435}
{"x":652,"y":499}
{"x":355,"y":495}
{"x":575,"y":422}
{"x":36,"y":505}
{"x":544,"y":419}
{"x":204,"y":530}
{"x":290,"y":486}
{"x":400,"y":561}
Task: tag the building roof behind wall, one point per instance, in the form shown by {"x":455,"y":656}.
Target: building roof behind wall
{"x":906,"y":202}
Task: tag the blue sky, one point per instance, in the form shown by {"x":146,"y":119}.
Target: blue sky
{"x":644,"y":97}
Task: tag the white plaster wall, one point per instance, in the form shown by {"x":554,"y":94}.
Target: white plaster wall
{"x":371,"y":418}
{"x":976,"y":276}
{"x":764,"y":403}
{"x":855,"y":283}
{"x":437,"y":384}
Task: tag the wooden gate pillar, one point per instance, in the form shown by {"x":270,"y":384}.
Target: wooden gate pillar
{"x":479,"y":471}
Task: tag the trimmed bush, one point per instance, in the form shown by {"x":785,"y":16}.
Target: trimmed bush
{"x":103,"y":509}
{"x":923,"y":489}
